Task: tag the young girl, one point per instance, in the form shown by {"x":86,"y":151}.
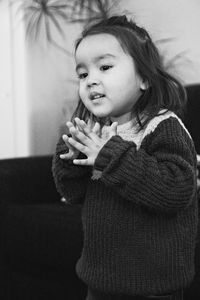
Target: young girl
{"x":132,"y":164}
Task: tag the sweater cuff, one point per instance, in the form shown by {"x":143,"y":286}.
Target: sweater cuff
{"x":110,"y":152}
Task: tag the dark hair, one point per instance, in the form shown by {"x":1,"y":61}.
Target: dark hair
{"x":163,"y":92}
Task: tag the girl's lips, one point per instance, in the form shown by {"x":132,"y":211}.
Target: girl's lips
{"x":95,"y":96}
{"x":97,"y":100}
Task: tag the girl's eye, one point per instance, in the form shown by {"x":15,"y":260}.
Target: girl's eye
{"x":82,"y":76}
{"x":105,"y":67}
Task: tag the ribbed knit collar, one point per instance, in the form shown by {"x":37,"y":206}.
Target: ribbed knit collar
{"x":127,"y":131}
{"x":125,"y":126}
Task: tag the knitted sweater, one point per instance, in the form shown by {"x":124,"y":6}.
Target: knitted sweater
{"x":140,"y":217}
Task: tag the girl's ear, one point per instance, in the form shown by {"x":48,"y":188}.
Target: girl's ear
{"x":144,"y":85}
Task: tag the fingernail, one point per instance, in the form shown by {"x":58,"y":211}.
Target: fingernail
{"x":68,"y":124}
{"x":82,"y":122}
{"x":72,"y":129}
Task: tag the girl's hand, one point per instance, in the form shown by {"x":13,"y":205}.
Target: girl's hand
{"x":73,"y":153}
{"x":88,"y":141}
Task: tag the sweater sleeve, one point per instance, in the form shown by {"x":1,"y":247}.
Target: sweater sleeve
{"x":160,"y":176}
{"x":70,"y":180}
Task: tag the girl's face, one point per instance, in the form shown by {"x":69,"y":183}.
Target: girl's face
{"x":109,"y":84}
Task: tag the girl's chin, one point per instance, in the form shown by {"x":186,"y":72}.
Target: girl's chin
{"x":100,"y":115}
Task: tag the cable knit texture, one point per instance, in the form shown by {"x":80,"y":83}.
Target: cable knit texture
{"x":140,"y":217}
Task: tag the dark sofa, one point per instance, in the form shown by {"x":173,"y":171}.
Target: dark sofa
{"x":41,"y":236}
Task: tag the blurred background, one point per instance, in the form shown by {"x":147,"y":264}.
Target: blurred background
{"x":38,"y":84}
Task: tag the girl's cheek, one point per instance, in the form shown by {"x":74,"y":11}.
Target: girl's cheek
{"x":81,"y":92}
{"x":81,"y":87}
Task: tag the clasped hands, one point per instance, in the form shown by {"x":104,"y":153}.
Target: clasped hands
{"x":87,"y":139}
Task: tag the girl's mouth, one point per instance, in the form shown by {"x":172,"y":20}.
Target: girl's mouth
{"x":94,"y":96}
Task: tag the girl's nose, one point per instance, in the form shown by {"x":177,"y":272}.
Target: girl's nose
{"x":92,"y":81}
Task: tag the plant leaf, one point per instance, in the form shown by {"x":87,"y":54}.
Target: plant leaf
{"x":55,"y":22}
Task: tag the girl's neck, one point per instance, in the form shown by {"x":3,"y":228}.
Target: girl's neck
{"x":123,"y":118}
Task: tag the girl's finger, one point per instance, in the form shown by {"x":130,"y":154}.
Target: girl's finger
{"x":96,"y":128}
{"x":81,"y":162}
{"x":91,"y":133}
{"x":78,"y":124}
{"x":89,"y":123}
{"x":86,"y":137}
{"x":78,"y":145}
{"x":70,"y":152}
{"x":113,"y":128}
{"x":65,"y":139}
{"x":79,"y":136}
{"x":68,"y":155}
{"x":69,"y":124}
{"x":87,"y":127}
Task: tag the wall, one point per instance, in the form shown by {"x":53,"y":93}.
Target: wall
{"x":51,"y":86}
{"x":179,"y":20}
{"x":14,"y":111}
{"x":6,"y":108}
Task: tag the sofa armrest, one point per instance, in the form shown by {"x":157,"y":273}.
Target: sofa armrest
{"x":27,"y":180}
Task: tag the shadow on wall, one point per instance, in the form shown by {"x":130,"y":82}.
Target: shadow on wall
{"x":47,"y":127}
